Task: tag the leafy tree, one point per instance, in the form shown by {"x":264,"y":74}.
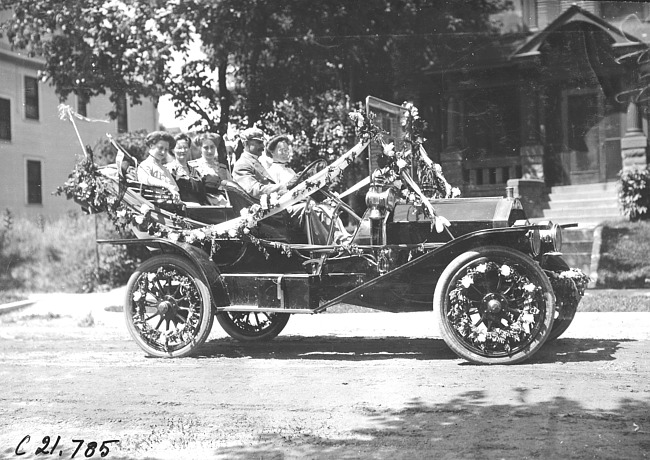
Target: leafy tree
{"x":319,"y":126}
{"x":92,"y":46}
{"x":261,"y":51}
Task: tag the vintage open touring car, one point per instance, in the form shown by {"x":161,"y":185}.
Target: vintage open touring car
{"x":497,"y":284}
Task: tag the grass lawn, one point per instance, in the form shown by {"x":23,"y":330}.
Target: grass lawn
{"x":624,"y":261}
{"x":615,"y":300}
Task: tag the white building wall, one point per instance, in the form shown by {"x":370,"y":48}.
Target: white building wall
{"x":49,"y":140}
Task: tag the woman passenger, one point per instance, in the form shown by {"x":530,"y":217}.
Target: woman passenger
{"x":189,"y":180}
{"x":152,"y":170}
{"x":214,"y":156}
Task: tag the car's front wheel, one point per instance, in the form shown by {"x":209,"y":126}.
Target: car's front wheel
{"x":495,"y":305}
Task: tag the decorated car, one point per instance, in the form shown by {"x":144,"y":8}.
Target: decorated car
{"x":497,"y":284}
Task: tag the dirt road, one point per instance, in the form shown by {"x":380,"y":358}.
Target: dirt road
{"x":331,"y":386}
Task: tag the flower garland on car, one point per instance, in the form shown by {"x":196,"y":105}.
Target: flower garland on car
{"x":569,"y":287}
{"x":500,"y":331}
{"x":95,"y":188}
{"x":399,"y":163}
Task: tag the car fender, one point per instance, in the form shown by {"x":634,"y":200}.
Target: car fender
{"x":196,"y":256}
{"x":514,"y":237}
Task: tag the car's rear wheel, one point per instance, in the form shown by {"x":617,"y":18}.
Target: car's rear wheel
{"x":168,"y":308}
{"x":495,"y":305}
{"x":251,"y":326}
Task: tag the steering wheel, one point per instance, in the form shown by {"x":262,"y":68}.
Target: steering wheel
{"x":305,"y":173}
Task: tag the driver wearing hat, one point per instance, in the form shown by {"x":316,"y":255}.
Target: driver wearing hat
{"x":249,"y":172}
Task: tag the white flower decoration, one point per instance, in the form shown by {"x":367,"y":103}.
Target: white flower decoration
{"x":467,"y":281}
{"x":145,"y":209}
{"x":401,"y":164}
{"x":273,"y":199}
{"x":481,"y":268}
{"x":527,"y":318}
{"x":232,"y":233}
{"x":389,"y":149}
{"x":530,"y":287}
{"x":505,"y":270}
{"x":440,"y":223}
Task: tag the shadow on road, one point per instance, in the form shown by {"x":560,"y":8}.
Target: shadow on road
{"x":465,"y":426}
{"x":579,"y":350}
{"x":371,"y":349}
{"x":330,"y":348}
{"x":471,"y":426}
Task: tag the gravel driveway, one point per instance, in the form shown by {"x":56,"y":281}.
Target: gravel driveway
{"x":350,"y":385}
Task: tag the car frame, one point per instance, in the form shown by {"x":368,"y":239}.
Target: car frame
{"x":497,"y":284}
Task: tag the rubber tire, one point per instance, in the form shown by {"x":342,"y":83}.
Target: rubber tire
{"x":207,"y":315}
{"x":280,"y":320}
{"x":444,"y":286}
{"x":562,"y":323}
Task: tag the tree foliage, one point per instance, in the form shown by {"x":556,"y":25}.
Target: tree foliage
{"x":261,"y":51}
{"x":319,"y":125}
{"x":92,"y":46}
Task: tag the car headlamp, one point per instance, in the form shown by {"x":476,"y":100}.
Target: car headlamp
{"x":380,"y":199}
{"x":551,"y":237}
{"x":535,"y":241}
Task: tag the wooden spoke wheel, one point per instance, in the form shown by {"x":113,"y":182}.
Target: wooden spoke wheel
{"x":168,"y":307}
{"x":252,"y":326}
{"x":495,"y":306}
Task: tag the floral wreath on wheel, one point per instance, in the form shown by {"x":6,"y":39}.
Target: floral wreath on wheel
{"x":512,"y":326}
{"x":183,"y":333}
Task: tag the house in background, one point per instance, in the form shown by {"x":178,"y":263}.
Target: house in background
{"x":557,"y":99}
{"x":37,"y":149}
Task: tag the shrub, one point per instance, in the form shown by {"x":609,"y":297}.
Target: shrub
{"x":634,"y":192}
{"x":623,"y":260}
{"x":60,"y":255}
{"x":133,"y":142}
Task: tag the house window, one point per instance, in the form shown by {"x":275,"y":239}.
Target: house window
{"x":31,"y":98}
{"x":122,"y":120}
{"x":82,"y":105}
{"x":5,"y":119}
{"x":34,"y":182}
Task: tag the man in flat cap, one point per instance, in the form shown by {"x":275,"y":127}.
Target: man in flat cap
{"x":249,"y":172}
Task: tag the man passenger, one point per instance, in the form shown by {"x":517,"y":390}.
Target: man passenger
{"x":249,"y":172}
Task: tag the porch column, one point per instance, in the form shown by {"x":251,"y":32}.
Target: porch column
{"x":634,"y":143}
{"x":531,"y":150}
{"x":450,"y":158}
